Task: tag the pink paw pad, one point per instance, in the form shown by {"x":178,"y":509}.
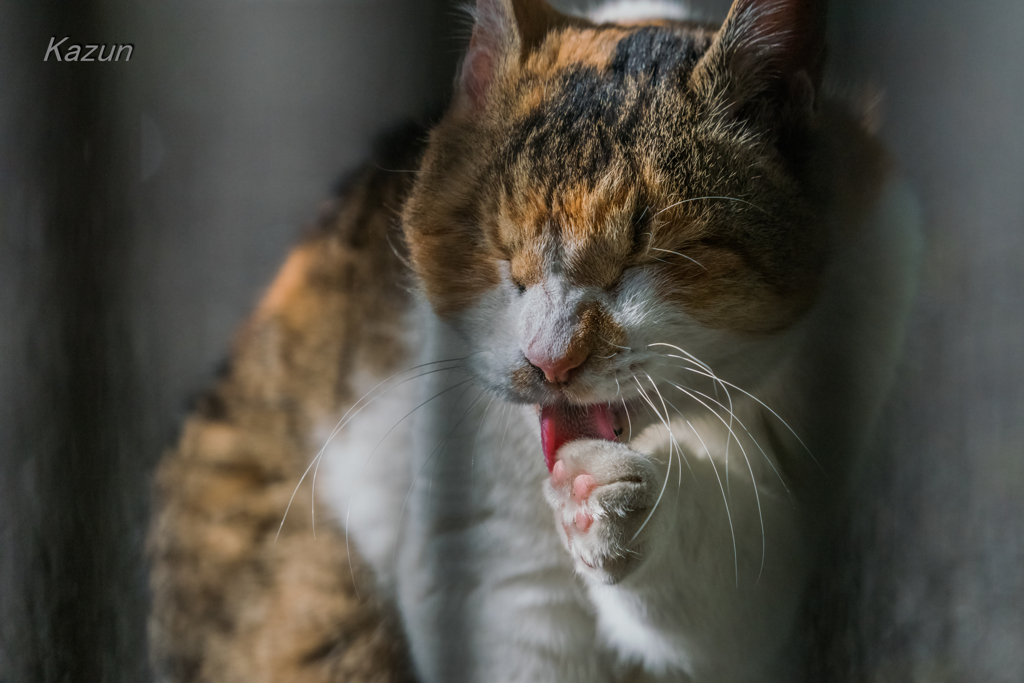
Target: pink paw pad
{"x":583,"y":521}
{"x":582,"y":486}
{"x":558,"y":473}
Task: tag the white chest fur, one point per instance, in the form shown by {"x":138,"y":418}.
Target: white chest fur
{"x":441,"y":487}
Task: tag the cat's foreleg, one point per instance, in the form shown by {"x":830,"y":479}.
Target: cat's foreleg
{"x":692,"y":575}
{"x":485,"y":588}
{"x":530,"y":628}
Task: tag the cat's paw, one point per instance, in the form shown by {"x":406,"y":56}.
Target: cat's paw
{"x":603,"y":493}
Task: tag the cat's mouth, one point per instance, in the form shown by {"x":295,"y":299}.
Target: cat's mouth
{"x":561,"y":423}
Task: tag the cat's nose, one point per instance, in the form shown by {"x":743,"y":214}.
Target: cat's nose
{"x":557,"y":370}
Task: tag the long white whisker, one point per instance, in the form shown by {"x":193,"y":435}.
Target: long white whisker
{"x":476,"y":438}
{"x":711,"y":459}
{"x":629,"y":420}
{"x":610,"y":343}
{"x":430,"y":484}
{"x":747,"y":431}
{"x":315,"y":463}
{"x":690,"y":358}
{"x":412,"y":484}
{"x":340,"y":424}
{"x":682,"y":415}
{"x":348,"y":417}
{"x":688,"y":355}
{"x":728,"y":439}
{"x":348,"y":510}
{"x":403,"y":418}
{"x":693,"y":199}
{"x":753,"y":479}
{"x":671,"y":434}
{"x":668,"y":470}
{"x":766,"y":407}
{"x":472,"y":457}
{"x":688,"y":258}
{"x":728,"y":425}
{"x":728,"y":512}
{"x":508,"y":418}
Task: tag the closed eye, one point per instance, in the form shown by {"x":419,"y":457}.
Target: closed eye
{"x":680,"y":254}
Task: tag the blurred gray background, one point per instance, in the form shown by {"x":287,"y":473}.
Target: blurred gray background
{"x":144,"y":205}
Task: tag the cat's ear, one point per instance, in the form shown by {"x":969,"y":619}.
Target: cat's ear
{"x":503,"y":31}
{"x":773,"y":48}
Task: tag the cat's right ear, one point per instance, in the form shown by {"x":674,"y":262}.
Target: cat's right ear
{"x":766,"y":48}
{"x":503,"y":31}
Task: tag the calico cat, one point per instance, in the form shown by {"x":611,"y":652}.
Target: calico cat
{"x":576,"y":399}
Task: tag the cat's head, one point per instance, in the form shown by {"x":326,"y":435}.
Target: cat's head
{"x":596,"y":191}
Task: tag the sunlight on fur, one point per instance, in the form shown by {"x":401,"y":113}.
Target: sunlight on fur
{"x":573,"y":402}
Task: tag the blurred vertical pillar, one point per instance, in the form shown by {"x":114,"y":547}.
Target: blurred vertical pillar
{"x":940,"y":531}
{"x":249,"y":113}
{"x":73,"y":591}
{"x":142,"y":206}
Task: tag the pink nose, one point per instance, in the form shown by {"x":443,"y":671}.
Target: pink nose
{"x":558,"y":369}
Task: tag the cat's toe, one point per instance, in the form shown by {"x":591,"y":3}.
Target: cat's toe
{"x":603,"y":494}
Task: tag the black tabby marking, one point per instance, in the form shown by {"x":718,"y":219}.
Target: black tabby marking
{"x":656,"y":53}
{"x":593,"y":117}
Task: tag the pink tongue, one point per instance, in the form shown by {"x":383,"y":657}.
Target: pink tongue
{"x":560,"y":424}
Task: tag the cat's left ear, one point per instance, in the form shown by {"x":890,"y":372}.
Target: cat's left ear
{"x":767,"y":50}
{"x":503,"y":32}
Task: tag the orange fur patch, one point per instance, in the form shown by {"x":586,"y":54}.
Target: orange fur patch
{"x":287,"y":286}
{"x":574,"y":47}
{"x":596,"y":333}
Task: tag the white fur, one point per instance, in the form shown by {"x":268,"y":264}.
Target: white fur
{"x":451,"y":511}
{"x":364,"y":460}
{"x":638,"y":10}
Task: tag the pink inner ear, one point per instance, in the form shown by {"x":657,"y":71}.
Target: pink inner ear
{"x":477,"y":71}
